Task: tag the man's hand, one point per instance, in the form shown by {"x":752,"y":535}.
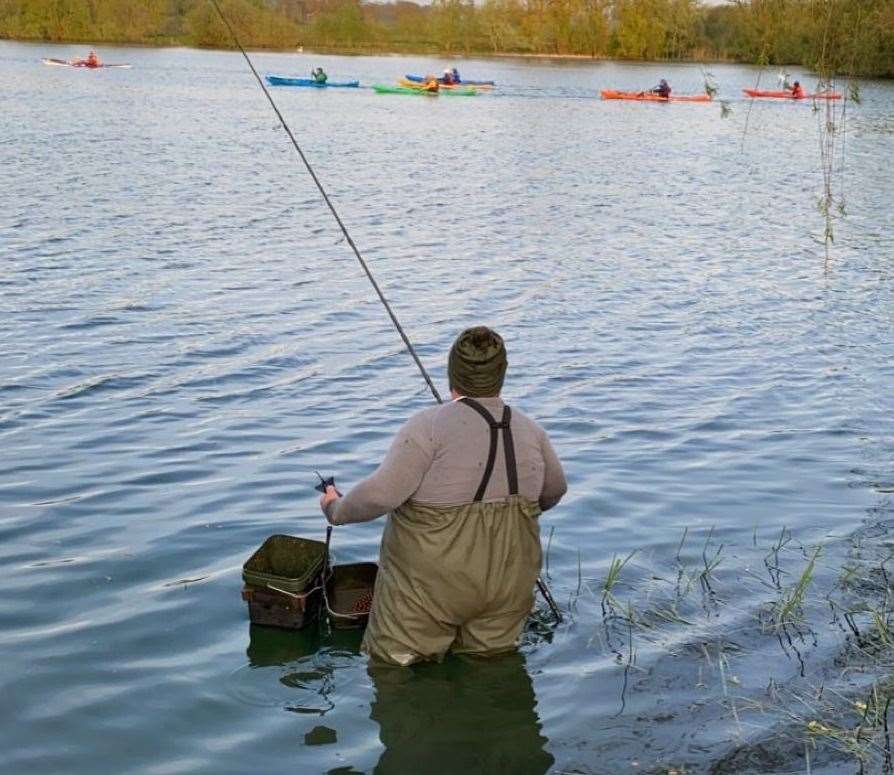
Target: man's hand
{"x":330,"y":496}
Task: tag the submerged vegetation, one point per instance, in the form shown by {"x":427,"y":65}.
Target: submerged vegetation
{"x":853,"y":36}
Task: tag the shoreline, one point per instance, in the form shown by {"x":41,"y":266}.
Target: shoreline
{"x":715,"y":59}
{"x":369,"y":52}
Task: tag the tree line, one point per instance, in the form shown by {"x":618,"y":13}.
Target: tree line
{"x":844,"y":36}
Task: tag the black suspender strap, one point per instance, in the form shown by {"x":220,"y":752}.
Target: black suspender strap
{"x":509,"y":452}
{"x":508,"y":448}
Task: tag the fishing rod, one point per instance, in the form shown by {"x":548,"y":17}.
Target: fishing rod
{"x":328,"y":201}
{"x":544,"y":590}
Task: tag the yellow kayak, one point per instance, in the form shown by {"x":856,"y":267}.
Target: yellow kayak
{"x":407,"y":84}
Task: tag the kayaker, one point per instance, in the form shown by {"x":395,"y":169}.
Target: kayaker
{"x":456,"y":78}
{"x":797,"y":91}
{"x":663,"y":89}
{"x":447,"y":78}
{"x":319,"y":76}
{"x":464,"y":483}
{"x":431,"y":84}
{"x":92,"y":60}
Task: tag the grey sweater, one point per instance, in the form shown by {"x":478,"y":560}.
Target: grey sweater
{"x":438,"y":458}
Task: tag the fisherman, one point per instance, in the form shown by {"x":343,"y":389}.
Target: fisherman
{"x":463,"y":483}
{"x":797,"y":91}
{"x":663,"y":89}
{"x":318,"y":75}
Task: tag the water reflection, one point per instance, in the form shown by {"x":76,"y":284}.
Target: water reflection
{"x":297,"y":670}
{"x":465,"y":715}
{"x":268,"y":646}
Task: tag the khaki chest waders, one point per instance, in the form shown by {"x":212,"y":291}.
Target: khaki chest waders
{"x":457,"y":578}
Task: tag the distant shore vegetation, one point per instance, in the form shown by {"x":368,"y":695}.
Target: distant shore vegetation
{"x":854,"y":37}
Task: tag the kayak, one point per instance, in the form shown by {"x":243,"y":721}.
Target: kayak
{"x":448,"y":86}
{"x":64,"y":63}
{"x":611,"y":94}
{"x":282,"y":80}
{"x":381,"y":89}
{"x":421,"y":79}
{"x":787,"y":95}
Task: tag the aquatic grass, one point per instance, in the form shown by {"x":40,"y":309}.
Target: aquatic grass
{"x":580,"y":578}
{"x":773,"y":568}
{"x":817,"y":719}
{"x":847,"y":575}
{"x":670,"y":615}
{"x":611,"y":579}
{"x":882,"y":628}
{"x":630,"y":661}
{"x":710,"y":565}
{"x":723,"y":666}
{"x":824,"y":719}
{"x":789,"y":606}
{"x":549,"y":543}
{"x":856,"y":728}
{"x":575,"y":596}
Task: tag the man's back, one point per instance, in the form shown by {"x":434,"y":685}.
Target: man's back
{"x":456,"y":439}
{"x":439,"y":457}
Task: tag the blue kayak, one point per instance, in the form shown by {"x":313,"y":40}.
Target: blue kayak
{"x":281,"y":80}
{"x":463,"y":82}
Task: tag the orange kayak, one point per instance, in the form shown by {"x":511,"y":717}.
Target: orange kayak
{"x":611,"y":94}
{"x":787,"y":95}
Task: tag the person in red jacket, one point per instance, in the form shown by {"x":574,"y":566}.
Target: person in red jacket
{"x":92,"y":60}
{"x":797,"y":91}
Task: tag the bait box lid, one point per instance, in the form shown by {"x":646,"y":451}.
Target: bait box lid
{"x":284,"y":562}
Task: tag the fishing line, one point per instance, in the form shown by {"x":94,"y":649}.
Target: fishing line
{"x":541,"y":585}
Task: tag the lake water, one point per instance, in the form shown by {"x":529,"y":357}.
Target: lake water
{"x":185,"y":337}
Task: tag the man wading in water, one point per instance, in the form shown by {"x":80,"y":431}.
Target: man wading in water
{"x":464,"y":483}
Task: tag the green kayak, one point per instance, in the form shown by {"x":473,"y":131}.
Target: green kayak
{"x":381,"y":89}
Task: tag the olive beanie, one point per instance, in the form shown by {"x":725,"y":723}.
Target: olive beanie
{"x":477,"y":363}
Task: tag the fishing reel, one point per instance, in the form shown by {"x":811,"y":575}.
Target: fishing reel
{"x":324,"y":483}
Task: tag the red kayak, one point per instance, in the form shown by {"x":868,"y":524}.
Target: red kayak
{"x":787,"y":95}
{"x":78,"y":63}
{"x":640,"y":96}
